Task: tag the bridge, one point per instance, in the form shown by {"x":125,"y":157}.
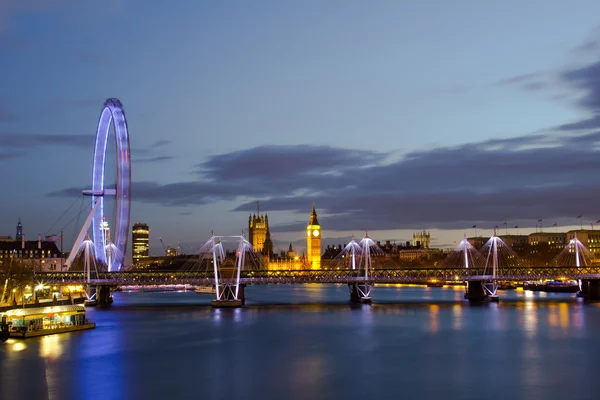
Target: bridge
{"x":261,"y":277}
{"x":355,"y":279}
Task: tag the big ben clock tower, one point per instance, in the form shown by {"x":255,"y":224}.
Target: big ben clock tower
{"x":313,"y":241}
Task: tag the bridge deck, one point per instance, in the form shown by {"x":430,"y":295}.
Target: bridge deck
{"x":408,"y":275}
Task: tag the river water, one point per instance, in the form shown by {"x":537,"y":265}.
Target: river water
{"x":308,"y":342}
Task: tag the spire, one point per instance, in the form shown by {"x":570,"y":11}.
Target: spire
{"x":291,"y":249}
{"x":313,"y":217}
{"x":19,"y":234}
{"x":268,"y":244}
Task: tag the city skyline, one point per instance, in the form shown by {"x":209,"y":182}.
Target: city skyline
{"x":355,"y":116}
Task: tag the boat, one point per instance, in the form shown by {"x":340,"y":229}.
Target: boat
{"x":556,"y":286}
{"x":31,"y":322}
{"x":206,"y":289}
{"x":435,"y":283}
{"x":562,"y":287}
{"x":506,"y":286}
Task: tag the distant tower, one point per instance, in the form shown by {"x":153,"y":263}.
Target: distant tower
{"x":422,"y":239}
{"x":291,"y":253}
{"x":313,"y":241}
{"x":258,"y":228}
{"x":105,"y":230}
{"x":19,"y":235}
{"x":140,"y":241}
{"x":268,"y":243}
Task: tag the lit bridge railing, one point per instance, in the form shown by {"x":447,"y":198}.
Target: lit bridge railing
{"x":408,"y":275}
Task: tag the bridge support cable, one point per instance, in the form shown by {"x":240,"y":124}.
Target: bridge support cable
{"x":216,"y":265}
{"x":82,"y":233}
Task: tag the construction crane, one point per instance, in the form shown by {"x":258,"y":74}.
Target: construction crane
{"x":163,"y":245}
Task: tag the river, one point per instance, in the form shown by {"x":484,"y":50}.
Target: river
{"x":308,"y":342}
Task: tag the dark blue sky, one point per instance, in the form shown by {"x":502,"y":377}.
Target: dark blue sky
{"x":392,"y":116}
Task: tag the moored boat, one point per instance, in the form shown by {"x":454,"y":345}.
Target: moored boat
{"x":506,"y":286}
{"x":40,"y":321}
{"x":206,"y":289}
{"x":556,"y":286}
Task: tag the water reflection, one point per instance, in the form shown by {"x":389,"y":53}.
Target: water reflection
{"x":16,"y":345}
{"x":457,"y":317}
{"x":434,"y":318}
{"x":530,"y":319}
{"x":308,"y":372}
{"x":563,"y":315}
{"x":51,"y":347}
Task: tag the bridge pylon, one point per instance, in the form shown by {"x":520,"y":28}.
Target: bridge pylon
{"x":229,"y":292}
{"x":361,"y":285}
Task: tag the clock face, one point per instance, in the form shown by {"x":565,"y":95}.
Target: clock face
{"x":308,"y":233}
{"x":316,"y":232}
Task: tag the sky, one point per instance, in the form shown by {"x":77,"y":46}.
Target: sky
{"x":391,"y":116}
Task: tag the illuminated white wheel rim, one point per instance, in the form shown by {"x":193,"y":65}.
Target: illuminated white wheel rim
{"x":112,"y":114}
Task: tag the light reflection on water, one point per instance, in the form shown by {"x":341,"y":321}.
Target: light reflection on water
{"x":308,"y":341}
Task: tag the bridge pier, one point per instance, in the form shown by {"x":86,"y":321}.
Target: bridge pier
{"x":590,"y":289}
{"x":360,"y":292}
{"x":475,"y":291}
{"x":98,"y":295}
{"x":103,"y":297}
{"x":227,"y":297}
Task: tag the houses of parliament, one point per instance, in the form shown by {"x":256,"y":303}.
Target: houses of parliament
{"x":259,"y":236}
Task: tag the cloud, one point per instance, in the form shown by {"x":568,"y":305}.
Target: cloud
{"x":517,"y":179}
{"x":587,"y":80}
{"x":531,"y":82}
{"x":161,"y":143}
{"x":584,"y":124}
{"x":285,"y":162}
{"x":518,"y":79}
{"x":68,"y":192}
{"x":152,"y":148}
{"x":591,"y":46}
{"x":153,"y":159}
{"x":21,"y":141}
{"x":534,"y":81}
